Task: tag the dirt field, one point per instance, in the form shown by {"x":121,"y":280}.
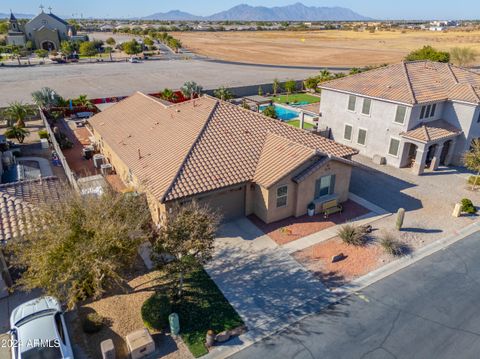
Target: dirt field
{"x":321,"y":48}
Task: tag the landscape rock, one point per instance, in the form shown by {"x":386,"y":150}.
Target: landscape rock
{"x":222,"y":337}
{"x":338,"y":258}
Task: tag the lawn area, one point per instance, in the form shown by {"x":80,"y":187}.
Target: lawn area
{"x":296,"y":123}
{"x":297,"y":97}
{"x":203,"y":307}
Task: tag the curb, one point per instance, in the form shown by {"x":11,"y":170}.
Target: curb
{"x":246,"y":340}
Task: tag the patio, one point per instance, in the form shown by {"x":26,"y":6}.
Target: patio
{"x":292,"y":229}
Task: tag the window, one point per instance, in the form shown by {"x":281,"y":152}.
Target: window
{"x":282,"y":194}
{"x":362,"y":136}
{"x":427,"y":112}
{"x":400,"y":115}
{"x":367,"y":104}
{"x":432,"y":112}
{"x":347,"y":133}
{"x":422,"y":112}
{"x":394,"y":146}
{"x":352,"y":100}
{"x":324,"y":186}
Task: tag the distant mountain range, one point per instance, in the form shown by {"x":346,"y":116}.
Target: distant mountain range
{"x":295,"y":12}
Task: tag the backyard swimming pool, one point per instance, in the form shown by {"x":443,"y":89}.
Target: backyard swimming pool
{"x":283,"y":113}
{"x":23,"y":170}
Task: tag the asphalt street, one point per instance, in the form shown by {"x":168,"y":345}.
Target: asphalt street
{"x":427,"y":310}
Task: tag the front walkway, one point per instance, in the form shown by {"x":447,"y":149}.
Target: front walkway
{"x":264,"y":284}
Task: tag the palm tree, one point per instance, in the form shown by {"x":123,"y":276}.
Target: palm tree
{"x":325,"y":75}
{"x":47,"y":98}
{"x":276,"y":87}
{"x":19,"y":133}
{"x":270,"y":112}
{"x":471,"y":160}
{"x":223,"y":93}
{"x":168,"y":95}
{"x":83,"y":101}
{"x":190,"y":89}
{"x":18,"y":111}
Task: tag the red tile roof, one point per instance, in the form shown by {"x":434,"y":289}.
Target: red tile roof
{"x":201,"y":145}
{"x":432,"y":131}
{"x":412,"y":83}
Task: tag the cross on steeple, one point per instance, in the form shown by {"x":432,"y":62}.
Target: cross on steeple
{"x":41,"y":7}
{"x":50,"y":9}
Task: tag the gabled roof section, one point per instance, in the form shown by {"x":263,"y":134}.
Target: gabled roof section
{"x":278,"y":158}
{"x":413,"y":82}
{"x":153,"y":140}
{"x":203,"y":144}
{"x":19,"y":199}
{"x":432,"y":131}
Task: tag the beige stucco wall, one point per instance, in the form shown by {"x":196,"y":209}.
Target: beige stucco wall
{"x":45,"y":34}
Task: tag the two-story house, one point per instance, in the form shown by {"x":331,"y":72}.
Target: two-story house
{"x":418,"y":114}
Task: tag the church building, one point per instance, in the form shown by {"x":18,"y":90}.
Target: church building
{"x":45,"y":31}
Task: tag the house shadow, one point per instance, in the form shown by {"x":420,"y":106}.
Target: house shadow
{"x":382,"y":189}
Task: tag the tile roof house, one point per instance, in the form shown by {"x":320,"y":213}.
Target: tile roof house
{"x":420,"y":114}
{"x":19,"y":199}
{"x":231,"y":158}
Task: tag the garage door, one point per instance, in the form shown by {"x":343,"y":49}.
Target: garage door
{"x":230,"y":203}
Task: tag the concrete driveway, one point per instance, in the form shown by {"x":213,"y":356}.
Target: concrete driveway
{"x":428,"y":310}
{"x":266,"y":286}
{"x":428,"y":199}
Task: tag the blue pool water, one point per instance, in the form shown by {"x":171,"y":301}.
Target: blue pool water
{"x":283,"y":113}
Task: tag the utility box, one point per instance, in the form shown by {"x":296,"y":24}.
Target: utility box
{"x":44,"y":143}
{"x":457,"y":211}
{"x":108,"y":349}
{"x":140,"y":344}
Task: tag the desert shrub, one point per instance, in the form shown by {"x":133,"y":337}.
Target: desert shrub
{"x":351,"y":234}
{"x":43,"y":134}
{"x":391,"y":245}
{"x":468,"y":207}
{"x":155,"y":311}
{"x":92,"y":323}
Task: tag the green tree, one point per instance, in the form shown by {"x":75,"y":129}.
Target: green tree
{"x":223,"y":93}
{"x":190,"y":89}
{"x":185,"y":241}
{"x":269,"y":111}
{"x":18,"y":112}
{"x":47,"y":98}
{"x":29,"y":45}
{"x":463,"y":56}
{"x":41,"y":53}
{"x":174,"y":44}
{"x":87,"y":246}
{"x":169,"y":95}
{"x":148,"y":41}
{"x":83,"y":101}
{"x":87,"y":48}
{"x":110,"y":41}
{"x":471,"y":160}
{"x":325,"y":75}
{"x":3,"y":27}
{"x":428,"y":53}
{"x":290,"y":86}
{"x":132,"y":47}
{"x":311,"y":83}
{"x":276,"y":87}
{"x":19,"y":133}
{"x":354,"y":71}
{"x":67,"y":48}
{"x":260,"y":91}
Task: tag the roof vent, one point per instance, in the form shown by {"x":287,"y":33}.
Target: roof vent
{"x":178,"y":110}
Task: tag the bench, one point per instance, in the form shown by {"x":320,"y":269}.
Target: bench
{"x":331,"y":207}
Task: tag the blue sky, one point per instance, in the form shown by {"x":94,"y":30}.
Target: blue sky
{"x":384,"y":9}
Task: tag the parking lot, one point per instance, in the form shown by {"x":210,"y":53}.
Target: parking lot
{"x":120,"y":79}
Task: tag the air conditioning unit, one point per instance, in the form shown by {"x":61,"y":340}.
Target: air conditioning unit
{"x":106,"y":169}
{"x":98,"y":160}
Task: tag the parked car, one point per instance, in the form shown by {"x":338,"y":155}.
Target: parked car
{"x":38,"y":330}
{"x":134,"y":60}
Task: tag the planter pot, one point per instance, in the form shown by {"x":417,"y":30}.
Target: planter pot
{"x":311,"y":212}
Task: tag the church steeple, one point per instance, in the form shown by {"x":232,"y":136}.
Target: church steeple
{"x":13,"y":23}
